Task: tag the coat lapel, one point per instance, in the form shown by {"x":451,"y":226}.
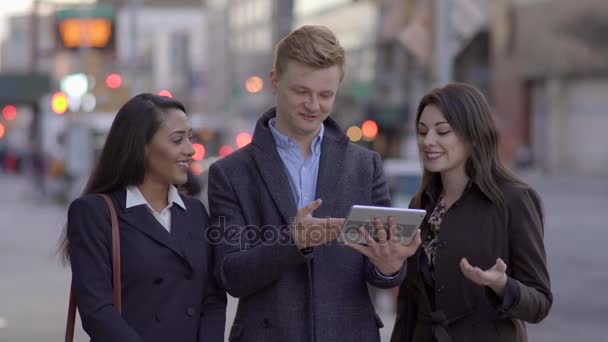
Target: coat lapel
{"x":140,"y":218}
{"x":273,"y":173}
{"x":180,"y":228}
{"x":271,"y":168}
{"x":333,"y":153}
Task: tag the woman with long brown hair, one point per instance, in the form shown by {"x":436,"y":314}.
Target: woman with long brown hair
{"x":481,"y":269}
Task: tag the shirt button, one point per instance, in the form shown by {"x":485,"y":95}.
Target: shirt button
{"x":158,"y":281}
{"x":190,"y":311}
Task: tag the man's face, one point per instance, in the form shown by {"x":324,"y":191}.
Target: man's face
{"x":305,"y":97}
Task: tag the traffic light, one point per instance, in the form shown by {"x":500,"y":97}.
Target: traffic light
{"x":9,"y":112}
{"x":91,"y":27}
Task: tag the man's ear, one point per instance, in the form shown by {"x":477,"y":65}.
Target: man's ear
{"x":274,"y":81}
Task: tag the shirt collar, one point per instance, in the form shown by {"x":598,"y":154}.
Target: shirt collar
{"x":284,"y":142}
{"x":135,"y":197}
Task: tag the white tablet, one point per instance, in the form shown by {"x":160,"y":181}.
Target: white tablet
{"x":408,"y":221}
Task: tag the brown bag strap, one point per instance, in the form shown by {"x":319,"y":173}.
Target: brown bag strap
{"x":116,"y":284}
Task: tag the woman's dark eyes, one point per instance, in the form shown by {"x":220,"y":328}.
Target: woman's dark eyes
{"x":440,"y":133}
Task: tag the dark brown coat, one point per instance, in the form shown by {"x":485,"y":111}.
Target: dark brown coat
{"x":477,"y":229}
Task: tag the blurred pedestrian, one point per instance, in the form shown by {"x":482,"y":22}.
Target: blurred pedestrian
{"x":168,"y":291}
{"x":481,"y":271}
{"x":278,"y":254}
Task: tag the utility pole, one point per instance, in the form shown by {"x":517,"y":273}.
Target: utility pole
{"x":134,"y":8}
{"x":443,"y":52}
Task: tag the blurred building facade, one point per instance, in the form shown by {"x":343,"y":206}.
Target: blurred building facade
{"x":160,"y":46}
{"x":550,"y":82}
{"x":354,"y":23}
{"x":17,"y":46}
{"x":242,"y":35}
{"x":420,"y":45}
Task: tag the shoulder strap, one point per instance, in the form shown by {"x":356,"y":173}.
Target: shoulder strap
{"x":116,"y":283}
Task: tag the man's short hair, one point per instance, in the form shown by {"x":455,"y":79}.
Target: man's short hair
{"x":312,"y":45}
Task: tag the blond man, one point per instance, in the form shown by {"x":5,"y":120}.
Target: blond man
{"x":278,"y":205}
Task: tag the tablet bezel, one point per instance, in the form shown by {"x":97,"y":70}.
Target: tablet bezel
{"x":409,"y":219}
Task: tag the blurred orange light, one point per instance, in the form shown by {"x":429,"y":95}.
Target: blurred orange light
{"x":59,"y":103}
{"x":243,"y":139}
{"x":92,"y":32}
{"x":113,"y":81}
{"x":199,"y":151}
{"x":254,"y":84}
{"x":369,"y":129}
{"x":196,"y":168}
{"x":354,"y":133}
{"x":226,"y":150}
{"x":165,"y":93}
{"x":2,"y":131}
{"x":9,"y":112}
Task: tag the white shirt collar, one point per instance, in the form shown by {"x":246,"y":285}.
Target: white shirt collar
{"x":135,"y":197}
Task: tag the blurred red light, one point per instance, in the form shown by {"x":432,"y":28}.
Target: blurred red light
{"x":9,"y":112}
{"x":113,"y":81}
{"x":226,"y":150}
{"x":165,"y":93}
{"x":196,"y":168}
{"x":199,"y":151}
{"x":243,"y":139}
{"x":2,"y":131}
{"x":369,"y":129}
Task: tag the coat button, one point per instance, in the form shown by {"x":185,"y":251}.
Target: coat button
{"x":157,"y":318}
{"x":190,"y":311}
{"x":267,"y":323}
{"x":158,"y":281}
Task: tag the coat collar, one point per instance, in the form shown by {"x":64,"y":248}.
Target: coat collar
{"x":140,"y":218}
{"x":270,"y":165}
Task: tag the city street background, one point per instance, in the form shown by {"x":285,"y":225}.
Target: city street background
{"x":67,"y":66}
{"x":34,"y":285}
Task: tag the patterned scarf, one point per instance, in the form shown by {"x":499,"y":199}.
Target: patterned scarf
{"x":430,"y":243}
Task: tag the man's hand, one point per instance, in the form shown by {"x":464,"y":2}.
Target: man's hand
{"x":387,"y":253}
{"x":495,"y":277}
{"x":308,"y":231}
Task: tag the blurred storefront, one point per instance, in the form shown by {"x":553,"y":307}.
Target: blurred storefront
{"x":551,"y":81}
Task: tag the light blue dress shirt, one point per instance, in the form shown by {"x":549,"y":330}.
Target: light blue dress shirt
{"x":302,"y":173}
